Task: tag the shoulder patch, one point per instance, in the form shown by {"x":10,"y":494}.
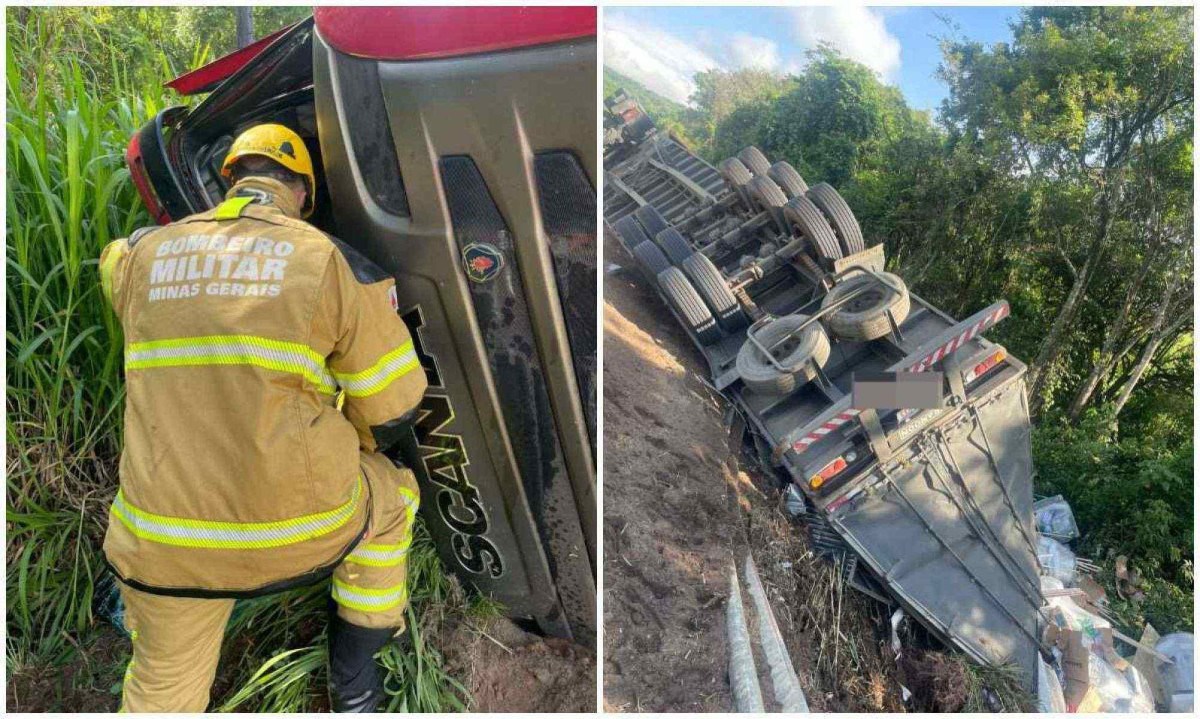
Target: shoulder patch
{"x":137,"y":235}
{"x":365,"y":271}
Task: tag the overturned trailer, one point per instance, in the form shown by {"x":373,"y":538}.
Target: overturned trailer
{"x":929,"y":507}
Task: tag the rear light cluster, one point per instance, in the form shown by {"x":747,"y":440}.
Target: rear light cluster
{"x":831,"y":470}
{"x":141,"y":180}
{"x":984,"y":366}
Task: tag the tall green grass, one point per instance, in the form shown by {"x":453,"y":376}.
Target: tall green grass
{"x":68,"y":195}
{"x":72,"y":108}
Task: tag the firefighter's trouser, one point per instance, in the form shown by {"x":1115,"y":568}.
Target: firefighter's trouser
{"x":177,"y":640}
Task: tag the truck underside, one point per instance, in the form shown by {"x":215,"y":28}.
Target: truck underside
{"x":927,"y":508}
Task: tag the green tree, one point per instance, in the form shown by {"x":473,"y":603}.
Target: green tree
{"x":1070,"y":102}
{"x":217,"y":26}
{"x":720,"y":93}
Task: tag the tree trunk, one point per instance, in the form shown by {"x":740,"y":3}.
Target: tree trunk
{"x":1108,"y":351}
{"x":1052,"y":345}
{"x":245,"y":27}
{"x":1157,"y":334}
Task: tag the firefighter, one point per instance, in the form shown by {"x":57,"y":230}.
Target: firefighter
{"x":266,"y":371}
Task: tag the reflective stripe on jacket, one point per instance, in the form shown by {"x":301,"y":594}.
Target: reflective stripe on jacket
{"x":242,"y":324}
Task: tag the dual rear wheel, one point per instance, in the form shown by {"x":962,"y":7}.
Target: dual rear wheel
{"x":818,"y":213}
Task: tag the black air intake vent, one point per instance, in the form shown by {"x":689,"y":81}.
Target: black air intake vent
{"x":371,"y":133}
{"x":568,"y":204}
{"x":489,"y":257}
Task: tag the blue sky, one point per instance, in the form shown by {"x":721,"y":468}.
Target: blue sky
{"x":663,"y":47}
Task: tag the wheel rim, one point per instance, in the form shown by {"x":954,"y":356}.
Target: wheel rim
{"x":783,"y":348}
{"x":866,"y":300}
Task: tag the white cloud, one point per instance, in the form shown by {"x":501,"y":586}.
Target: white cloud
{"x":858,"y":32}
{"x":746,"y":51}
{"x":666,"y":63}
{"x":657,"y":59}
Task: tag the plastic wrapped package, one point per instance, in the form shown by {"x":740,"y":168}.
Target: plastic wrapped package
{"x":1178,"y":678}
{"x":1057,"y":560}
{"x":1055,"y":518}
{"x":794,"y":501}
{"x":1143,"y":697}
{"x":1049,"y":582}
{"x":1050,"y":692}
{"x":1111,"y":686}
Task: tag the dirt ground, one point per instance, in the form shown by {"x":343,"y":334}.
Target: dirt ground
{"x":506,"y":669}
{"x":670,"y":521}
{"x":90,"y":683}
{"x":680,"y":506}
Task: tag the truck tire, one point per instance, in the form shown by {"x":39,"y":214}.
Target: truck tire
{"x":765,"y":196}
{"x":754,"y":161}
{"x":764,"y":193}
{"x":651,"y":260}
{"x":688,"y":305}
{"x":735,"y":174}
{"x":788,"y":179}
{"x":715,"y":292}
{"x":865,"y":316}
{"x":651,"y":219}
{"x":629,"y":232}
{"x":806,"y":219}
{"x":839,"y":215}
{"x":761,"y":377}
{"x":674,"y":245}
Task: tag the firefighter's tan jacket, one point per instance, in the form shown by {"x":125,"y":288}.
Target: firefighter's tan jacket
{"x":239,"y":474}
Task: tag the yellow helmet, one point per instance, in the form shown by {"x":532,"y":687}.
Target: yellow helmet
{"x":278,"y":143}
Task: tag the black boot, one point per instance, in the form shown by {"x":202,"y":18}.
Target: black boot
{"x":355,"y":681}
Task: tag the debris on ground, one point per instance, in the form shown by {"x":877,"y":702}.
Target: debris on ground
{"x":1087,"y":673}
{"x":1057,"y":560}
{"x":1050,"y":691}
{"x":949,"y":682}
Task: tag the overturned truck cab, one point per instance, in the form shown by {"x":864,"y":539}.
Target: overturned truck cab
{"x":455,"y":148}
{"x":926,"y":507}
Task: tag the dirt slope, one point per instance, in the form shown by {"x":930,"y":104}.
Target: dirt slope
{"x":679,"y":507}
{"x":670,"y":519}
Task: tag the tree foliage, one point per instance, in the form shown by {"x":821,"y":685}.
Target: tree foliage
{"x":1082,"y":102}
{"x":720,"y":93}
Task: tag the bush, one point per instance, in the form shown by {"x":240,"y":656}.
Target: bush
{"x":1132,"y":495}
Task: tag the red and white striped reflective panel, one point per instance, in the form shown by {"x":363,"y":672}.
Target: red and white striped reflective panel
{"x":970,"y":333}
{"x":921,"y":365}
{"x":834,"y":422}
